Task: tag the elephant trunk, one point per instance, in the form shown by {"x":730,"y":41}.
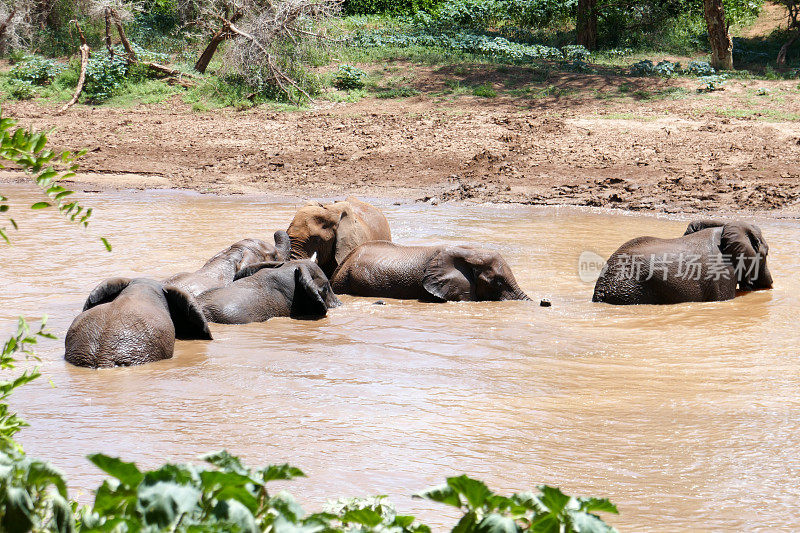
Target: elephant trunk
{"x":517,"y":293}
{"x":297,"y":251}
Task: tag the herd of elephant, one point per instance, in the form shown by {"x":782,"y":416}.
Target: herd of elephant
{"x":346,"y":248}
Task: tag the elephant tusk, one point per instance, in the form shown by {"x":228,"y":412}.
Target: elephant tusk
{"x":314,"y":257}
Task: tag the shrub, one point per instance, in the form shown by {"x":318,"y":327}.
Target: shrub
{"x":21,"y":89}
{"x":666,"y":68}
{"x":36,"y":70}
{"x":104,"y":75}
{"x":643,"y":68}
{"x":712,"y":83}
{"x":575,"y":52}
{"x":349,"y":77}
{"x":699,"y":68}
{"x":389,"y":7}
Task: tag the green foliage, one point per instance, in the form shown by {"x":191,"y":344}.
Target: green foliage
{"x":389,"y":7}
{"x":712,"y":83}
{"x":21,"y":89}
{"x":548,"y":511}
{"x":349,"y":77}
{"x":485,"y":91}
{"x":699,"y":68}
{"x":397,"y":92}
{"x":36,"y":70}
{"x":644,"y":67}
{"x":27,"y":149}
{"x":104,"y":75}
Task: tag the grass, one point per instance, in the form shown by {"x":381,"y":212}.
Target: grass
{"x":767,"y":115}
{"x":484,"y":91}
{"x":143,"y":92}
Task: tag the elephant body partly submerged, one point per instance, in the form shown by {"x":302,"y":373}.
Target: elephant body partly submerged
{"x":432,"y":273}
{"x":221,"y":269}
{"x":267,"y":290}
{"x":706,"y":264}
{"x":332,"y":231}
{"x":132,"y":321}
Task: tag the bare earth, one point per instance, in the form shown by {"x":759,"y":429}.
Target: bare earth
{"x":598,"y":144}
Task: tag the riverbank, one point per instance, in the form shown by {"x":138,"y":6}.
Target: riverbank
{"x":649,"y":145}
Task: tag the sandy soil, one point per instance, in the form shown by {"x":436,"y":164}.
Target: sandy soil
{"x":605,"y":141}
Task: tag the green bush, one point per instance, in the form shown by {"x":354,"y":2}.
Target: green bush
{"x":104,"y":75}
{"x":349,"y":77}
{"x":388,"y":7}
{"x":484,"y":91}
{"x":35,"y":69}
{"x":699,"y":68}
{"x":21,"y":89}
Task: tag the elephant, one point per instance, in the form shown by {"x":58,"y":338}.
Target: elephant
{"x":704,"y":265}
{"x":132,"y":321}
{"x":221,"y":269}
{"x":333,"y":231}
{"x":427,"y":273}
{"x":270,"y":289}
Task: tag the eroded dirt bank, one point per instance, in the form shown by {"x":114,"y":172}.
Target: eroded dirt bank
{"x":662,"y":155}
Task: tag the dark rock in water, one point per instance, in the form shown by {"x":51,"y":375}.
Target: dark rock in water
{"x":545,"y":303}
{"x":379,"y":302}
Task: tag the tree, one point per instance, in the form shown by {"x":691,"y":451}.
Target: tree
{"x":718,"y":35}
{"x":586,"y":27}
{"x":793,"y":6}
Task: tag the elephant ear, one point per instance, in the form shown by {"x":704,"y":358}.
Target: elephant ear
{"x":252,"y":269}
{"x":699,"y":225}
{"x":106,"y":292}
{"x":449,"y":276}
{"x":350,"y":233}
{"x":186,"y":314}
{"x":739,"y":241}
{"x":283,"y":245}
{"x":308,"y":297}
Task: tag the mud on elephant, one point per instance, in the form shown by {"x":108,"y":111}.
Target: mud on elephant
{"x":332,"y":231}
{"x":263,"y":291}
{"x":430,"y":273}
{"x":706,"y":264}
{"x":132,"y":321}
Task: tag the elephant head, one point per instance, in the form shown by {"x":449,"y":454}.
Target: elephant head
{"x":132,"y":321}
{"x":333,"y":231}
{"x":744,"y":244}
{"x":313,"y":295}
{"x":459,"y":273}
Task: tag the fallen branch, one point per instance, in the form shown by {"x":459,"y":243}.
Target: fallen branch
{"x":781,"y":60}
{"x":222,"y":34}
{"x":84,"y":48}
{"x":108,"y":32}
{"x":122,"y":37}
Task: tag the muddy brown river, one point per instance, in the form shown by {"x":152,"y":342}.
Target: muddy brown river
{"x":686,"y":416}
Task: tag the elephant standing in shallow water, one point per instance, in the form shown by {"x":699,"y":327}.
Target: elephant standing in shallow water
{"x":432,"y":273}
{"x":131,"y":322}
{"x":333,"y":231}
{"x":221,"y":269}
{"x":267,"y":290}
{"x":705,"y":264}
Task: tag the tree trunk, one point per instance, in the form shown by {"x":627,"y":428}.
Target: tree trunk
{"x":587,"y":24}
{"x":208,"y":53}
{"x":718,"y":36}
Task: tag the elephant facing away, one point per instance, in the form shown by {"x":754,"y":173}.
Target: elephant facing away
{"x":332,"y":231}
{"x":132,"y":321}
{"x":266,"y":290}
{"x":429,"y":273}
{"x":704,"y":265}
{"x":221,"y":269}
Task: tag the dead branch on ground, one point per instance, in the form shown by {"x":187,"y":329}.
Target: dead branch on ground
{"x":84,"y":48}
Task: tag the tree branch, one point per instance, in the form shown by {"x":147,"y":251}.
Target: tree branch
{"x":84,"y":48}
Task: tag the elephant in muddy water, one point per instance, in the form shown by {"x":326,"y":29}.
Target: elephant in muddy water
{"x":704,"y":265}
{"x":132,"y":321}
{"x":332,"y":231}
{"x":221,"y":269}
{"x":429,"y":273}
{"x":266,"y":290}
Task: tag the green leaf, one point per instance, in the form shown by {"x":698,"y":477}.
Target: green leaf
{"x":63,"y":519}
{"x":442,"y":494}
{"x":591,"y":505}
{"x":366,"y":517}
{"x":588,"y":523}
{"x":221,"y":459}
{"x":403,"y":521}
{"x":3,"y":208}
{"x":553,"y":499}
{"x":473,"y":490}
{"x":495,"y":523}
{"x":13,"y":223}
{"x":164,"y":503}
{"x":280,"y":472}
{"x":18,"y":516}
{"x":40,"y":205}
{"x":127,"y":473}
{"x":234,"y":513}
{"x":466,"y":524}
{"x":106,"y":244}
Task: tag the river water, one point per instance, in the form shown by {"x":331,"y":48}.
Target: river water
{"x":686,"y":416}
